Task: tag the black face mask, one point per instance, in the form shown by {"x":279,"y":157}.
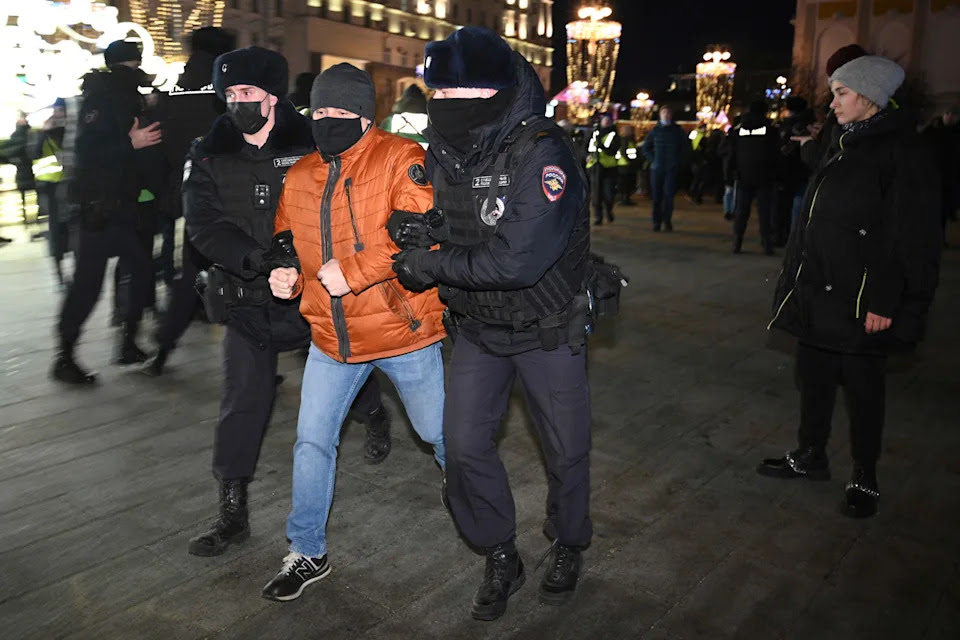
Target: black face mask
{"x":335,"y":135}
{"x":247,"y":116}
{"x":456,"y":119}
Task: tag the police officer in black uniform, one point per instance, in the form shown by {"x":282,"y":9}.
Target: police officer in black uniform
{"x":231,"y":188}
{"x":105,"y":186}
{"x":513,"y":220}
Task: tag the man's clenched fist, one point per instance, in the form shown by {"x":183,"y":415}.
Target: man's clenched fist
{"x":282,"y":282}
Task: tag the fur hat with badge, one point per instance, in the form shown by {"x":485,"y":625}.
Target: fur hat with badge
{"x":255,"y":66}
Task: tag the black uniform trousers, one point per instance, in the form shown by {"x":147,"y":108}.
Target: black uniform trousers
{"x":182,"y":299}
{"x":246,"y":401}
{"x":122,"y":276}
{"x":627,"y":183}
{"x":94,"y":249}
{"x":604,"y":186}
{"x":558,"y":397}
{"x":764,"y":194}
{"x":863,"y":379}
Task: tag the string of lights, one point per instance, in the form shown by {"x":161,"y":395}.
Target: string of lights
{"x":593,"y":47}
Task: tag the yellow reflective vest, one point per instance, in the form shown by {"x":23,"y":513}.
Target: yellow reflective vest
{"x":47,"y":167}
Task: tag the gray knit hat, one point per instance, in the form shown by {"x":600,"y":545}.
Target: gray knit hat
{"x":874,"y":77}
{"x":343,"y":86}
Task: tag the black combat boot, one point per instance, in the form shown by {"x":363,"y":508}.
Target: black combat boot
{"x":231,"y":526}
{"x":377,"y":447}
{"x":127,"y":350}
{"x":862,"y":493}
{"x":737,"y":243}
{"x":66,"y":369}
{"x":502,"y":578}
{"x":805,"y":462}
{"x":560,"y":577}
{"x":154,"y":365}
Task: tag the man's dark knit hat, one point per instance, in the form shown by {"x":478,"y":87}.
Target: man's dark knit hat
{"x":343,"y":86}
{"x":121,"y":51}
{"x":472,"y":57}
{"x":255,"y":66}
{"x":843,"y":55}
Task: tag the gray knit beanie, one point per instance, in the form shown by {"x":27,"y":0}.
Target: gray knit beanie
{"x":874,"y":77}
{"x":343,"y":86}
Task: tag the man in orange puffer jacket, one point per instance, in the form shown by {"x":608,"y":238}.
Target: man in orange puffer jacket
{"x":335,"y":204}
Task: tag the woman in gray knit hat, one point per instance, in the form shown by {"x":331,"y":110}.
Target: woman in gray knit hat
{"x":859,"y":273}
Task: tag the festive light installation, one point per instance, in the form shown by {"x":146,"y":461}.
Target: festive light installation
{"x":714,"y":85}
{"x":593,"y":45}
{"x":170,"y":20}
{"x":47,"y":47}
{"x":641,"y":108}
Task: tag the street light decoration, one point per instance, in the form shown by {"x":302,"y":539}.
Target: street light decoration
{"x":593,"y":45}
{"x":715,"y":84}
{"x":168,"y":21}
{"x":641,"y":107}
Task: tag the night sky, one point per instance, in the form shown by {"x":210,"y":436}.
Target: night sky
{"x":666,"y":36}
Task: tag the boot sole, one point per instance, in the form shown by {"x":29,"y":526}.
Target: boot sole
{"x":497,"y":610}
{"x":555,"y":599}
{"x":210,"y":552}
{"x":786,"y":473}
{"x":299,"y":592}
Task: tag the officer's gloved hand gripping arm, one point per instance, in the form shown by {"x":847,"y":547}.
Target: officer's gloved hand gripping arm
{"x":220,"y":240}
{"x":409,"y":191}
{"x":531,"y":236}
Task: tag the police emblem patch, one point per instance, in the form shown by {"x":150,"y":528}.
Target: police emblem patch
{"x":91,"y":116}
{"x":554,"y":181}
{"x":492,"y":217}
{"x":418,"y":174}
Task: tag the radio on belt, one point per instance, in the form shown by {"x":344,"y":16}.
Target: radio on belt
{"x":261,"y":196}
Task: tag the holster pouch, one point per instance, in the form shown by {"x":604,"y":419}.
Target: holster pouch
{"x":214,"y":289}
{"x":578,"y":322}
{"x":451,"y":325}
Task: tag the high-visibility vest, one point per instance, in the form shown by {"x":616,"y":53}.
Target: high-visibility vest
{"x":599,"y":150}
{"x":47,"y":167}
{"x":626,"y":156}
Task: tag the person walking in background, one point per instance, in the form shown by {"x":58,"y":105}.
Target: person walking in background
{"x":755,"y":155}
{"x":602,"y":168}
{"x":665,"y":148}
{"x":48,"y":171}
{"x":859,"y":274}
{"x":628,"y":163}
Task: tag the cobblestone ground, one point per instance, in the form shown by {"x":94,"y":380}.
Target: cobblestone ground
{"x":100,"y":489}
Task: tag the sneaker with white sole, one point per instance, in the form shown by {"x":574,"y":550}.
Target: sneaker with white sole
{"x":297,"y":572}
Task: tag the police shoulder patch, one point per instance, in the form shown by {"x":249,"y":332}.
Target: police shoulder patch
{"x":418,"y":174}
{"x":554,"y":182}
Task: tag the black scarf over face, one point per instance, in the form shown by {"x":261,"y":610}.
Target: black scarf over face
{"x":458,"y":119}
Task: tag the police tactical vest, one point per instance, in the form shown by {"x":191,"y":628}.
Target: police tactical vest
{"x":473,"y":209}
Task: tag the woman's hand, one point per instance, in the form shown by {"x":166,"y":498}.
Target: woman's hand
{"x":876,"y":324}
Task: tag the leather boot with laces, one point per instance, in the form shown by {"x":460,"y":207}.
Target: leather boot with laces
{"x":231,"y":526}
{"x":560,"y":577}
{"x":377,"y":447}
{"x":862,"y":495}
{"x":502,"y":577}
{"x":805,"y":462}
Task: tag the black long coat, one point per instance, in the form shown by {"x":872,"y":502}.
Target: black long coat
{"x":868,"y":240}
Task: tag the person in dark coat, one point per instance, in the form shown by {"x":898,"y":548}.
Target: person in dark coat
{"x":602,"y":166}
{"x":191,"y":107}
{"x":511,"y":266}
{"x":755,"y":153}
{"x":793,"y":171}
{"x":19,"y":152}
{"x":105,"y":185}
{"x":665,"y":147}
{"x":301,"y":92}
{"x":859,"y":273}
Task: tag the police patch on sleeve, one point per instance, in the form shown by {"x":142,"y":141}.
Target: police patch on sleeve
{"x":418,"y":174}
{"x":554,"y":182}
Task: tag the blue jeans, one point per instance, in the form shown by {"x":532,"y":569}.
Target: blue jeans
{"x":328,"y":390}
{"x":663,"y":186}
{"x":728,"y":199}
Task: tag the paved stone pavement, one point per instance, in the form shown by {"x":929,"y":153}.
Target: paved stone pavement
{"x":100,"y":489}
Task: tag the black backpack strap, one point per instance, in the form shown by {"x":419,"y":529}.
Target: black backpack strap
{"x":516,"y":145}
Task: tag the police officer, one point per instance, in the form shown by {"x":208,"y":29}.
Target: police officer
{"x":514,"y":248}
{"x":106,"y":186}
{"x":602,"y":165}
{"x":755,"y":153}
{"x":231,"y":189}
